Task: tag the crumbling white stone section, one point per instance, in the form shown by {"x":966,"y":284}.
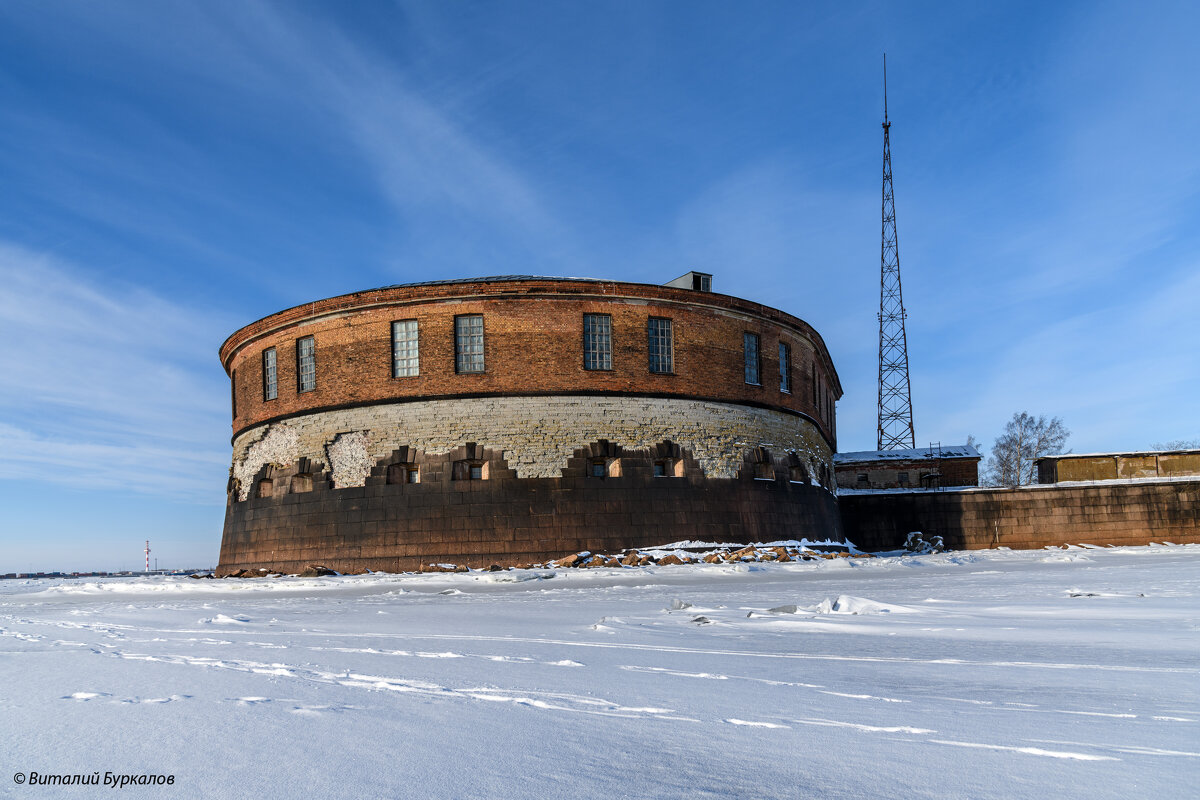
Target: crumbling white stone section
{"x":275,"y":444}
{"x":349,"y":459}
{"x":536,"y":434}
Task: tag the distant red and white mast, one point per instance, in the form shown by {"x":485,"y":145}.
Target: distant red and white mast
{"x":147,"y":555}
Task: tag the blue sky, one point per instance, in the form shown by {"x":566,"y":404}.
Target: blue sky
{"x":172,"y":171}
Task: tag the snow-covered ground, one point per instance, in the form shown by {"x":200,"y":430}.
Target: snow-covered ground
{"x":1057,"y":673}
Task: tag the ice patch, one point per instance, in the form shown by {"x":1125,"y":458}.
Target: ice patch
{"x":1029,"y":751}
{"x":1077,"y":592}
{"x":865,"y":697}
{"x":848,"y":604}
{"x":438,"y":655}
{"x":830,"y":723}
{"x":665,"y":671}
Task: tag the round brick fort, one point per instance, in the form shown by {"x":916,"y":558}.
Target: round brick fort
{"x":515,"y":419}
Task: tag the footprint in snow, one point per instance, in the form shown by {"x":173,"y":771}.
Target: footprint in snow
{"x":157,"y":700}
{"x":85,"y":696}
{"x":316,"y":711}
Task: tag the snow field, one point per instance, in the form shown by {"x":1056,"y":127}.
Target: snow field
{"x":1063,"y":673}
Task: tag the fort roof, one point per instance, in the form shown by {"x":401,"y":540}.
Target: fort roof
{"x":1126,"y":454}
{"x":916,"y":454}
{"x":491,"y":279}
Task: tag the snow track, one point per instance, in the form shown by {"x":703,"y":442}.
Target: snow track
{"x":984,"y":674}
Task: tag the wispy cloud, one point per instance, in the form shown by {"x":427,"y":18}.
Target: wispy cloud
{"x":107,"y":384}
{"x":1113,"y":374}
{"x":425,"y":154}
{"x":429,"y":153}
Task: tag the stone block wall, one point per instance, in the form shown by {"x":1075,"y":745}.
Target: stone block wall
{"x":1028,"y":517}
{"x":508,"y":521}
{"x":321,"y":488}
{"x":886,"y":474}
{"x":1115,"y":466}
{"x":535,"y":435}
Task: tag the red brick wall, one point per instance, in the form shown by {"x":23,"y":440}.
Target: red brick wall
{"x":533,"y":345}
{"x":1113,"y":514}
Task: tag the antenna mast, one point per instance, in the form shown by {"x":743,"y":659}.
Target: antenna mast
{"x":895,"y":428}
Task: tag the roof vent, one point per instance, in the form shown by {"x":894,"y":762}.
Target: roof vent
{"x":696,"y":281}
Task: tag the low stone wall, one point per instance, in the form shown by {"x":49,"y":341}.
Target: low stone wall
{"x":1115,"y":466}
{"x":1028,"y":517}
{"x":392,"y":527}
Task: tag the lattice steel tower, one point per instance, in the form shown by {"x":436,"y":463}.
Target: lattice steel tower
{"x":895,"y":429}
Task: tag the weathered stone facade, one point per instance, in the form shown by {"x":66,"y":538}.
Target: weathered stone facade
{"x":538,"y":455}
{"x":391,"y":525}
{"x":928,"y":468}
{"x":1118,"y":466}
{"x":536,"y":435}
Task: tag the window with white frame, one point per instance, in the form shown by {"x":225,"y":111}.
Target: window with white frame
{"x":403,"y":473}
{"x":270,"y":375}
{"x":406,"y":358}
{"x":661,"y":345}
{"x":468,"y":343}
{"x":750,"y":352}
{"x":785,"y":368}
{"x":597,"y":341}
{"x":306,"y":364}
{"x":469,"y":471}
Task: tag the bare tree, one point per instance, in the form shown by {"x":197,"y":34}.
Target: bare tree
{"x":1177,"y":444}
{"x":1025,"y":439}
